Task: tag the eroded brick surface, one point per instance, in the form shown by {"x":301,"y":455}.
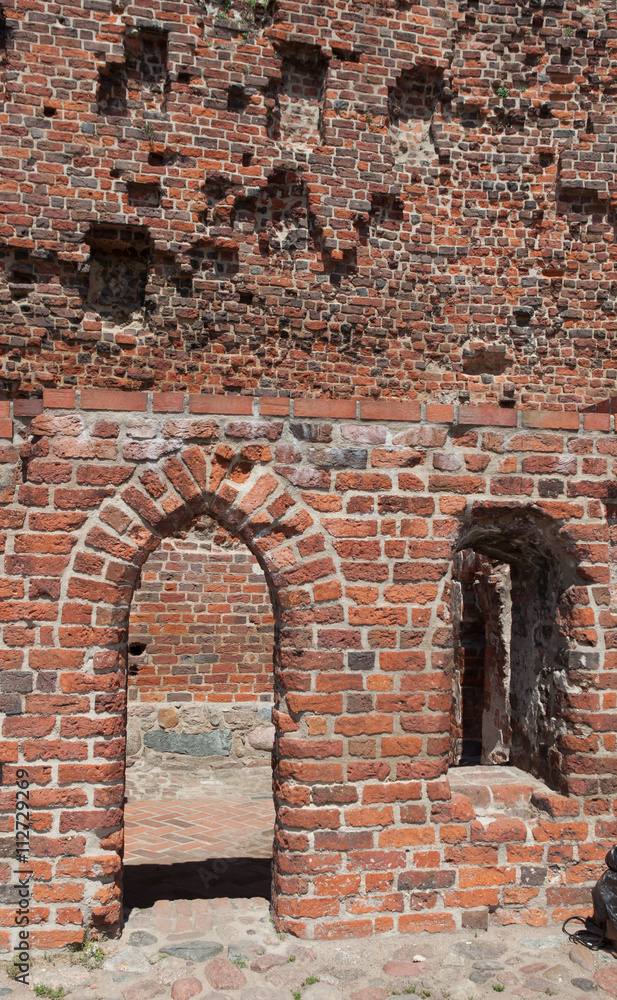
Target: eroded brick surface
{"x":390,"y":200}
{"x":333,"y":241}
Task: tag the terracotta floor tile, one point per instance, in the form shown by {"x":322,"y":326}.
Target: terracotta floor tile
{"x":164,"y":831}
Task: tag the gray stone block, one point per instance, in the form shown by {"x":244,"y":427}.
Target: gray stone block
{"x":213,"y":744}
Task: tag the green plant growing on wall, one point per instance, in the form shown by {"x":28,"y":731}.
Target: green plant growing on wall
{"x":503,"y":91}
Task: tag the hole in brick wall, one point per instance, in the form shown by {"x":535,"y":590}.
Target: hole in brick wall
{"x":385,"y":220}
{"x":146,"y":66}
{"x":471,"y":115}
{"x":247,"y":159}
{"x":295,"y":105}
{"x":237,"y":99}
{"x":144,"y":195}
{"x":223,"y":264}
{"x":546,"y":159}
{"x":199,"y":722}
{"x":345,"y":55}
{"x":183,"y":284}
{"x":263,"y":13}
{"x":281,"y":213}
{"x":4,"y":30}
{"x":111,"y":97}
{"x":522,"y":317}
{"x":565,"y":55}
{"x":510,"y":648}
{"x":49,"y":112}
{"x":412,"y":102}
{"x":119,"y":262}
{"x":164,"y":159}
{"x":215,"y":190}
{"x":484,"y":358}
{"x":152,"y":56}
{"x":137,"y":648}
{"x":20,"y":272}
{"x":415,"y":96}
{"x":532,"y":58}
{"x":184,"y":78}
{"x":244,"y":210}
{"x":482,"y":607}
{"x":246,"y":298}
{"x":589,"y":216}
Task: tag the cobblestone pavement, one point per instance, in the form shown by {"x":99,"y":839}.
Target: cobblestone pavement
{"x":225,"y":949}
{"x":175,"y":946}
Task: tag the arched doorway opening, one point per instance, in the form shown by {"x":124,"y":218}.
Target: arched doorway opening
{"x":199,"y":809}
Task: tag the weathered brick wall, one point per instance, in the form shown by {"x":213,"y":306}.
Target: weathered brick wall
{"x":382,"y":198}
{"x":406,"y":208}
{"x":355,"y":509}
{"x":200,"y":650}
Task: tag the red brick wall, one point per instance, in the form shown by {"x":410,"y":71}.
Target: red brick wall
{"x":378,"y":198}
{"x":356,"y":510}
{"x":204,"y":614}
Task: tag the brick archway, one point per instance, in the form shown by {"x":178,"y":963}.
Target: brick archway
{"x":143,"y":502}
{"x":354,"y":510}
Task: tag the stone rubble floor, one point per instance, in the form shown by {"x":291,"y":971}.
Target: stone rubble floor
{"x":225,"y":948}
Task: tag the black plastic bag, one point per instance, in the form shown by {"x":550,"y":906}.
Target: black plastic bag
{"x":604,"y":893}
{"x":596,"y":931}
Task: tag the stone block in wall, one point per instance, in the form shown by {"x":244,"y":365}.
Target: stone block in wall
{"x":262,"y":738}
{"x":133,"y":737}
{"x":168,"y":718}
{"x":217,"y":743}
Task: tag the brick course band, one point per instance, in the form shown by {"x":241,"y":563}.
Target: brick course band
{"x":356,"y":523}
{"x":360,"y":408}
